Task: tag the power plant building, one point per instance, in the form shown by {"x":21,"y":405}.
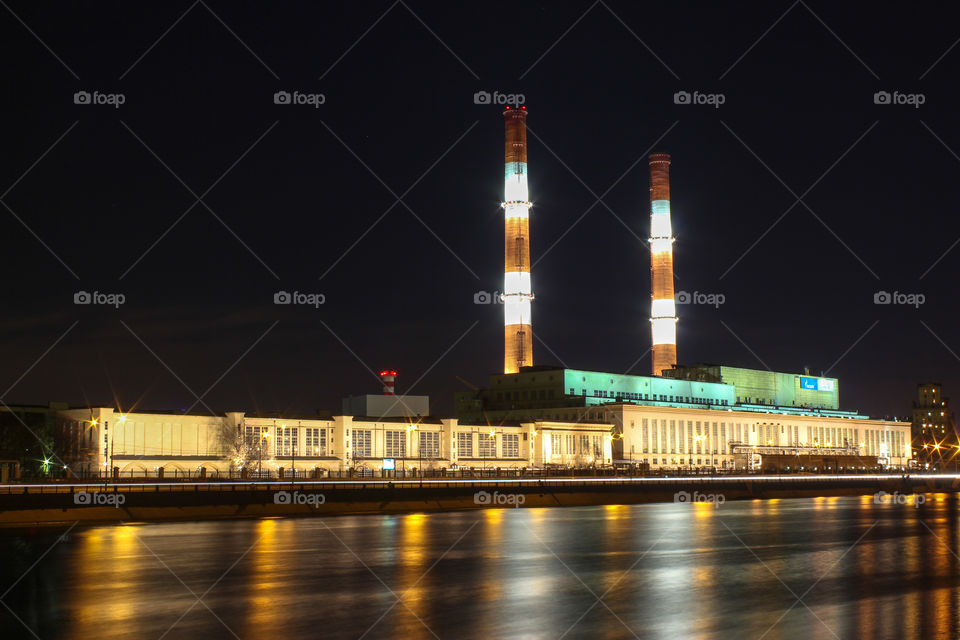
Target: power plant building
{"x":680,"y":416}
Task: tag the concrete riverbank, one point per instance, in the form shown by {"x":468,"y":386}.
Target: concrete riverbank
{"x":58,"y":504}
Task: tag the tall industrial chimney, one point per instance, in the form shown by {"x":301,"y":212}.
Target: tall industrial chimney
{"x":663,"y":310}
{"x":517,"y":295}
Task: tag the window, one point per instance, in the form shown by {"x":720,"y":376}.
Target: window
{"x":597,"y":450}
{"x":555,"y":444}
{"x":315,"y":442}
{"x":286,"y":441}
{"x":396,"y":444}
{"x":487,"y":445}
{"x":511,"y":445}
{"x":429,"y":444}
{"x":251,"y":434}
{"x":361,"y":443}
{"x":465,"y":445}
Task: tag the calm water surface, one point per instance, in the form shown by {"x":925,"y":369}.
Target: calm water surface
{"x":811,"y":568}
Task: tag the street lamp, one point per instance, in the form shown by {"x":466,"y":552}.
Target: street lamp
{"x":263,"y":436}
{"x":698,"y":439}
{"x":410,"y":430}
{"x":294,"y":441}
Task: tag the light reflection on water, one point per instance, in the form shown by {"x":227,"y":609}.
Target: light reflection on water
{"x":784,"y":568}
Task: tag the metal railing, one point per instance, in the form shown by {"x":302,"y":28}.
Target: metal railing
{"x":567,"y":483}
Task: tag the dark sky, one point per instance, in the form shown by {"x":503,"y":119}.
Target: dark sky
{"x":291,"y":193}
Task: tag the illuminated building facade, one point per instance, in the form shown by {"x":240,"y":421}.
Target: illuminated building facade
{"x":935,"y":441}
{"x":143,"y":443}
{"x":676,"y":422}
{"x":679,"y":438}
{"x":517,"y":292}
{"x":762,"y":387}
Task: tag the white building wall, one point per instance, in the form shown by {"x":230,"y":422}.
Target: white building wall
{"x":668,"y":437}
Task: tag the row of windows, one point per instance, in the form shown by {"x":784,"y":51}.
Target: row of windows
{"x":395,"y":444}
{"x":661,"y":397}
{"x":574,"y":445}
{"x":666,"y":436}
{"x":487,"y":445}
{"x":537,"y":394}
{"x":286,"y":442}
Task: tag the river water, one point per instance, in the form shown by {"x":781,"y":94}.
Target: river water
{"x":803,"y":568}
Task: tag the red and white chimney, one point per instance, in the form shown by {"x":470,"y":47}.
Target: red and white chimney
{"x":388,"y":377}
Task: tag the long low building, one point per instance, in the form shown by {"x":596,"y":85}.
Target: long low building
{"x":673,"y":437}
{"x":658,"y":437}
{"x":178,"y":444}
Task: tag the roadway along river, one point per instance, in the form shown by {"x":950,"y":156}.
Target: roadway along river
{"x":804,"y":568}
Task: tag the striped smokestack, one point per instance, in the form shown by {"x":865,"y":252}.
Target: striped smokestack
{"x":663,"y":311}
{"x":517,"y":294}
{"x":388,"y":377}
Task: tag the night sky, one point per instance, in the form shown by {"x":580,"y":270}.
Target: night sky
{"x":297,"y":198}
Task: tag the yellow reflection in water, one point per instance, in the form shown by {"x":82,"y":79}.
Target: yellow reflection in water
{"x":414,"y":576}
{"x":263,"y":614}
{"x":704,"y":510}
{"x":107,"y":562}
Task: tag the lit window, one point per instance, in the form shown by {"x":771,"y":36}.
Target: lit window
{"x":396,"y":444}
{"x":511,"y":445}
{"x":362,"y":443}
{"x":465,"y":445}
{"x":487,"y":444}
